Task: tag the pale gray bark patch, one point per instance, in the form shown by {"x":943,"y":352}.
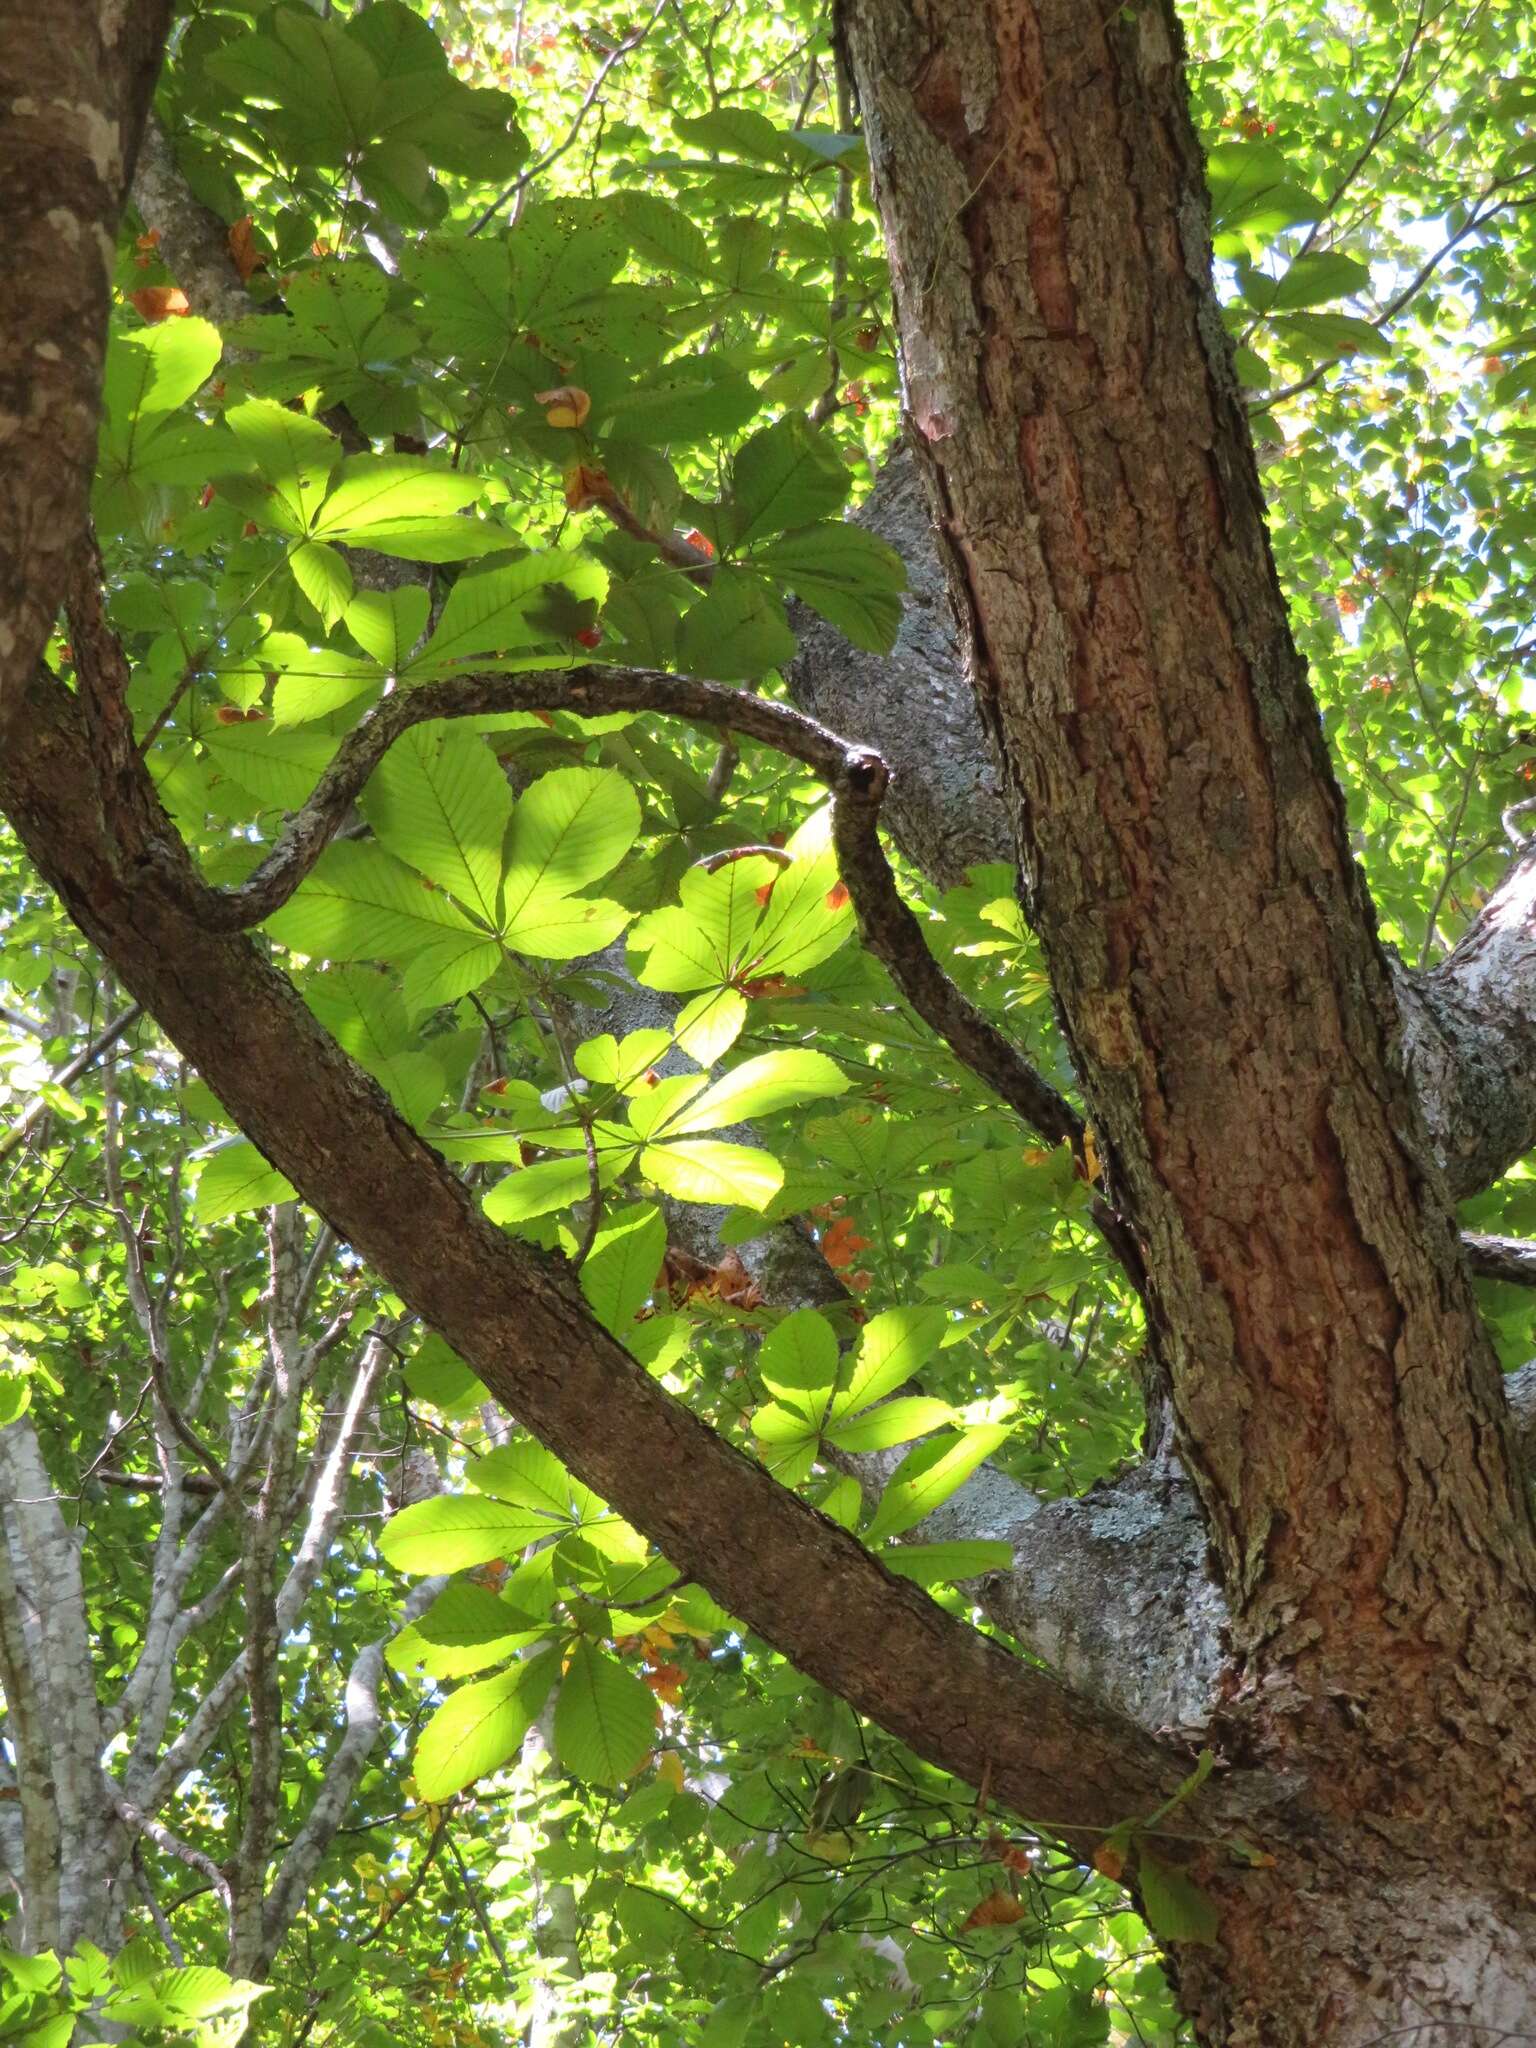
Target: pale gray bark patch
{"x":1469,"y":1039}
{"x":945,"y":806}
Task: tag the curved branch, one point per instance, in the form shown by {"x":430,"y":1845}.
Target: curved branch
{"x":856,"y":777}
{"x":518,"y":1320}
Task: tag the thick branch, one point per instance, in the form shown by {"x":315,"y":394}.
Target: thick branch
{"x":75,"y":79}
{"x":518,"y":1320}
{"x":1210,"y":944}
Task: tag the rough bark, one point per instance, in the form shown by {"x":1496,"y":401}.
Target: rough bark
{"x":75,"y":79}
{"x":1214,"y":958}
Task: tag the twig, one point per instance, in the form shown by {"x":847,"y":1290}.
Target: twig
{"x":66,"y":1076}
{"x":520,"y":184}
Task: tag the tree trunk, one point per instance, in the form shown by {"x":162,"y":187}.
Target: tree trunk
{"x":1231,"y":1014}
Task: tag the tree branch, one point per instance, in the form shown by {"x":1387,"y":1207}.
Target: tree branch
{"x":856,"y":778}
{"x":517,"y":1319}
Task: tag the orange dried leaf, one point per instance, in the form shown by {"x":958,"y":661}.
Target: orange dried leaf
{"x":997,"y":1909}
{"x":156,"y":302}
{"x":247,"y":257}
{"x":666,"y":1681}
{"x":841,"y":1243}
{"x":1109,"y":1861}
{"x":837,"y":895}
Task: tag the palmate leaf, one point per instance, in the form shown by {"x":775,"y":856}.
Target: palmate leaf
{"x":605,"y":1719}
{"x":708,"y":1170}
{"x":439,"y":801}
{"x":362,"y":904}
{"x":927,"y":1476}
{"x":456,"y":1530}
{"x":772,"y":1081}
{"x":706,"y":940}
{"x":481,"y":1725}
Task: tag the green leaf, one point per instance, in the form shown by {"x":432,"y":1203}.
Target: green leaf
{"x":706,"y":940}
{"x":150,"y":375}
{"x":294,"y":456}
{"x":809,"y":915}
{"x":786,"y":476}
{"x":466,"y":1628}
{"x":735,"y":632}
{"x":536,"y":1190}
{"x":277,"y":765}
{"x":797,"y":1362}
{"x":605,"y":1719}
{"x":844,"y":573}
{"x":897,"y":1422}
{"x":361,"y":904}
{"x":1176,"y":1908}
{"x":487,"y":609}
{"x":375,"y":494}
{"x":705,"y":1170}
{"x":528,"y":1476}
{"x":758,"y":1087}
{"x":662,"y":233}
{"x":1253,"y":197}
{"x":947,"y":1564}
{"x":1311,"y":280}
{"x":235,"y":1179}
{"x":894,"y":1345}
{"x":709,"y":1026}
{"x":387,"y":624}
{"x":927,"y":1477}
{"x":571,"y":827}
{"x":323,"y":576}
{"x":618,"y":1275}
{"x":439,"y":801}
{"x":481,"y":1725}
{"x":455,"y":1530}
